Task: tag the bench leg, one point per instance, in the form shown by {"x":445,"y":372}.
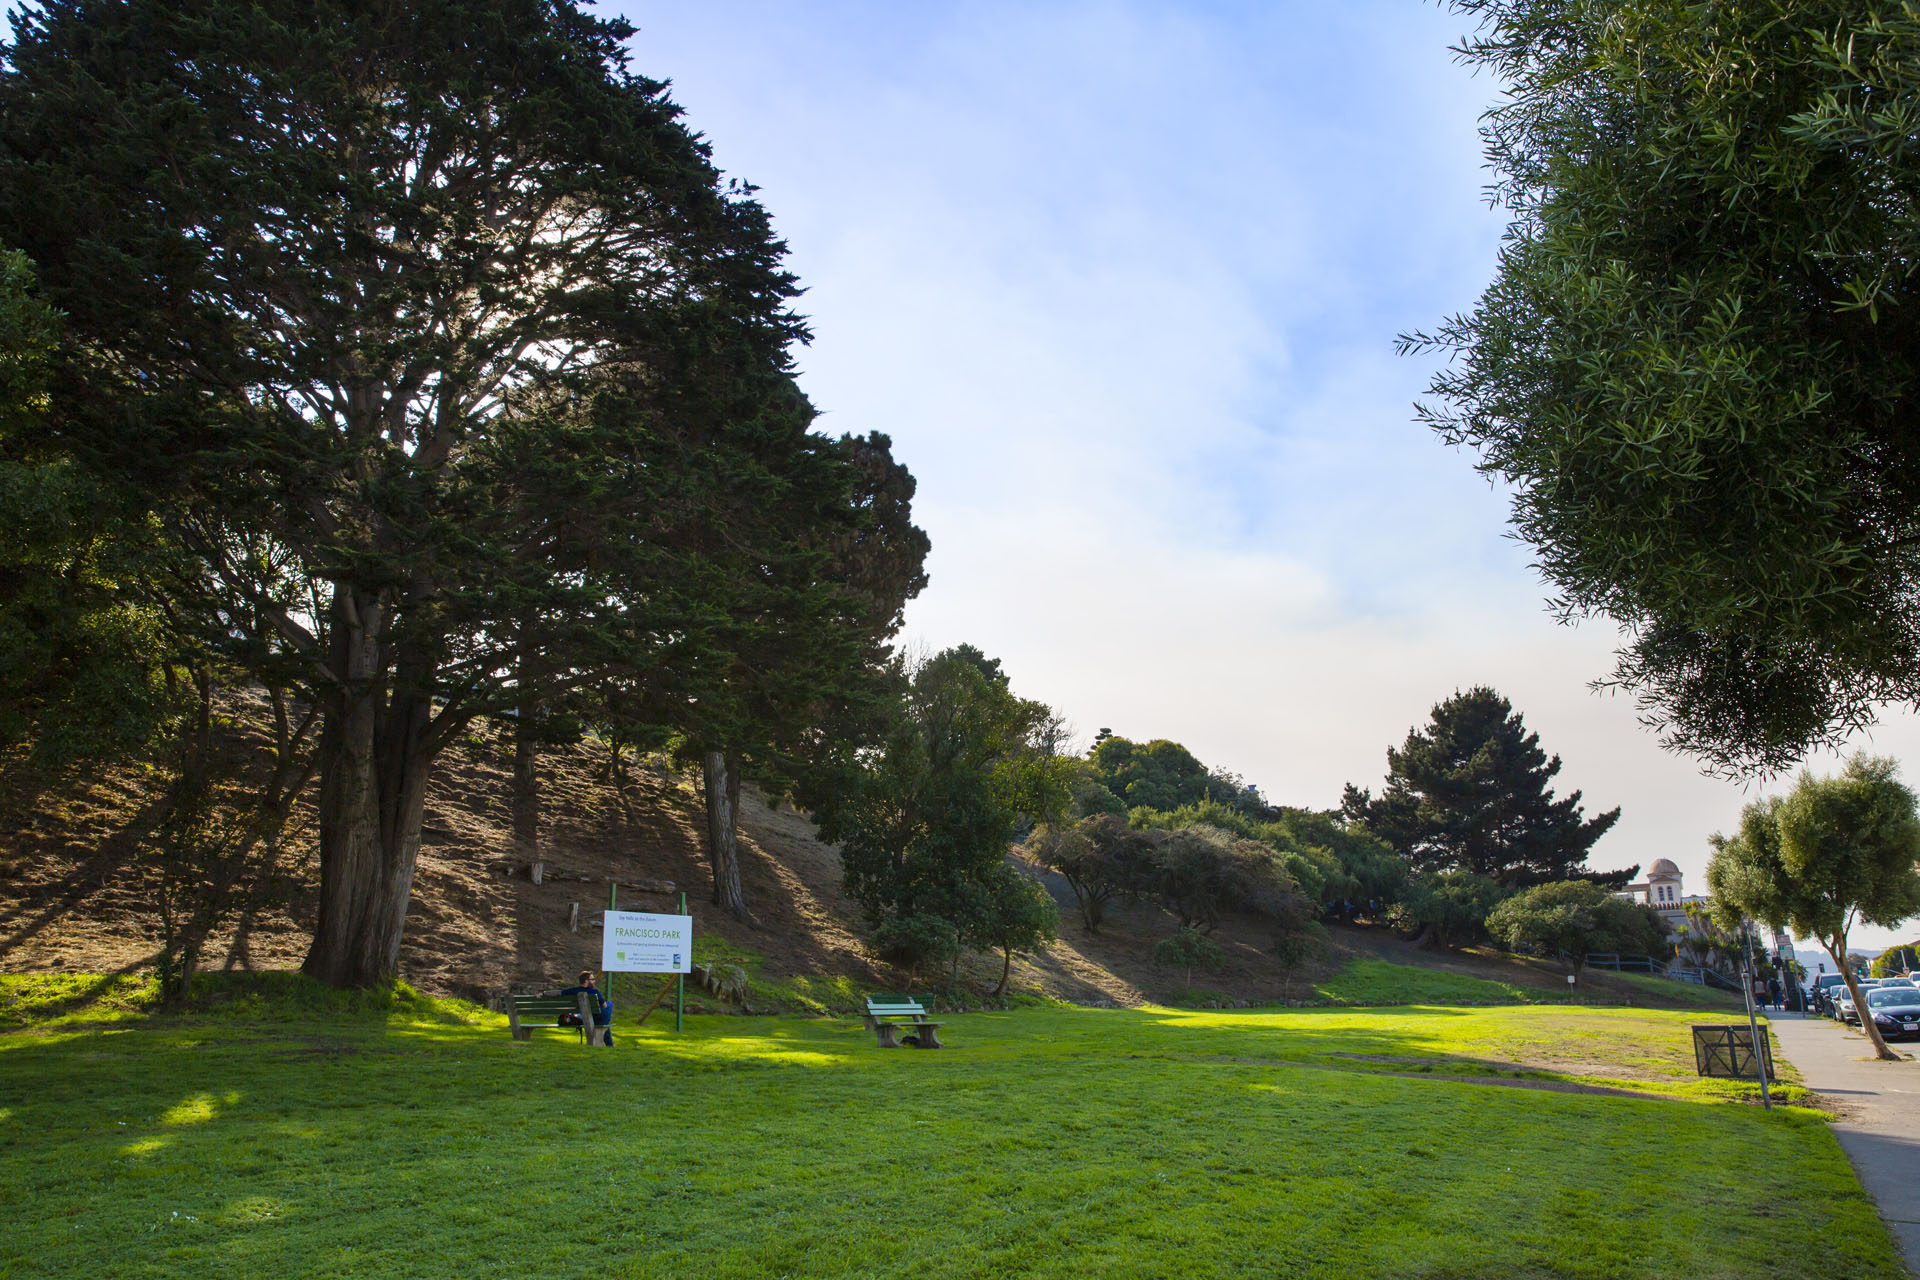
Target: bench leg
{"x":889,"y":1035}
{"x":929,"y":1038}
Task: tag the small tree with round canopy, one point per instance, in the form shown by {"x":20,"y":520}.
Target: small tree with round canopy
{"x":1831,"y":853}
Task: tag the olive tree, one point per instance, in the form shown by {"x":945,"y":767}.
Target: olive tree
{"x":1831,"y":853}
{"x":1697,"y":363}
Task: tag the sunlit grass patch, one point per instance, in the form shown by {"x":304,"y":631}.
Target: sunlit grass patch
{"x":1366,"y":980}
{"x":198,"y":1109}
{"x":39,"y":998}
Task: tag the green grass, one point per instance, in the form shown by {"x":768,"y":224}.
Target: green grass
{"x":1367,"y":981}
{"x":1669,"y":989}
{"x":835,"y":993}
{"x":308,"y":1134}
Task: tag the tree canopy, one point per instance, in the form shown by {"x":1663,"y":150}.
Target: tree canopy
{"x":1573,"y":918}
{"x":1831,"y":853}
{"x":1164,"y":775}
{"x":926,"y":822}
{"x":1470,"y":793}
{"x":454,"y":373}
{"x":1697,"y":362}
{"x":82,"y":661}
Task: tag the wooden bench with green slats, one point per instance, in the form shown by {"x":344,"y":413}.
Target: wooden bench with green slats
{"x":534,"y":1010}
{"x":887,"y":1014}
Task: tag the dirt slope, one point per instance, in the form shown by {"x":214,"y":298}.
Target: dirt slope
{"x":74,"y":895}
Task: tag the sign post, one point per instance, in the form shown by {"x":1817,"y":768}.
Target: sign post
{"x":680,"y":975}
{"x":641,"y":942}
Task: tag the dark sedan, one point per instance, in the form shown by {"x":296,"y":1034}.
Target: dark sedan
{"x":1896,"y":1011}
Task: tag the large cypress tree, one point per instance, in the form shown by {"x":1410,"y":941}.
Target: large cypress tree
{"x":800,"y":685}
{"x":1471,"y":793}
{"x":412,"y":317}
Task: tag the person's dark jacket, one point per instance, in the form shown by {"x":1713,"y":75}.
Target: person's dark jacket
{"x":602,"y":1007}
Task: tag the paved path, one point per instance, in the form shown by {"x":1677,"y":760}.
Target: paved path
{"x":1880,"y":1128}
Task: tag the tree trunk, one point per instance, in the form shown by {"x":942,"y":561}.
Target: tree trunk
{"x":374,"y":762}
{"x":723,"y":829}
{"x":1838,"y":950}
{"x":526,"y":791}
{"x":1006,"y":967}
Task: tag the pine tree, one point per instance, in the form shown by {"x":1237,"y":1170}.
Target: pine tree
{"x":1471,"y":793}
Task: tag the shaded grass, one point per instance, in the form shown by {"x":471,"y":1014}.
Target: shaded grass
{"x":413,"y":1138}
{"x":63,"y":999}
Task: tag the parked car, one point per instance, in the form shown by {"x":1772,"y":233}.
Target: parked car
{"x":1843,"y":999}
{"x":1895,"y":1010}
{"x":1822,"y":989}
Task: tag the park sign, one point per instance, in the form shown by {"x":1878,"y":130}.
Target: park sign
{"x":641,"y":942}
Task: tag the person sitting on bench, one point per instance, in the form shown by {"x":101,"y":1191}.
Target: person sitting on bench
{"x":602,"y":1007}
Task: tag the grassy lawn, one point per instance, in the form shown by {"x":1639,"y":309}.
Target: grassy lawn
{"x":1368,"y":981}
{"x":1372,"y":981}
{"x":310,"y":1135}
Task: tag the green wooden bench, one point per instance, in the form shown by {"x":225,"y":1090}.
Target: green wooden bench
{"x":887,"y":1014}
{"x":537,"y":1009}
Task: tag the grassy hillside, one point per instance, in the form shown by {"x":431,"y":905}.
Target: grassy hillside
{"x":75,"y":897}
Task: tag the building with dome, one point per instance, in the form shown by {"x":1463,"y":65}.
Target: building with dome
{"x":1662,"y":890}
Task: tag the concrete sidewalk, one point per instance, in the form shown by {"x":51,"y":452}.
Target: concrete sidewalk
{"x":1879,"y":1102}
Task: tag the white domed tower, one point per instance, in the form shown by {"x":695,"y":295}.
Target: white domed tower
{"x":1663,"y":884}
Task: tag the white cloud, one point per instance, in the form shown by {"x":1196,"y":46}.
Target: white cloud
{"x":1122,"y":281}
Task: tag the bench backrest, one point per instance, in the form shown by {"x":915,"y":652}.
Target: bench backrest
{"x":539,"y":1010}
{"x":895,"y":1007}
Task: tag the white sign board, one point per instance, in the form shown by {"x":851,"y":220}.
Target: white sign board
{"x":640,"y":942}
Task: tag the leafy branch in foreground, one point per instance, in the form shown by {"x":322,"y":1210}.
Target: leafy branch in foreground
{"x":1697,"y":363}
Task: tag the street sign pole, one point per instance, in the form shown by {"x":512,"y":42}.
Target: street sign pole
{"x":613,"y":893}
{"x":680,"y":984}
{"x":1753,"y":1021}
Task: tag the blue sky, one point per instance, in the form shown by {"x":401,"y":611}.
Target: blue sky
{"x":1122,"y":281}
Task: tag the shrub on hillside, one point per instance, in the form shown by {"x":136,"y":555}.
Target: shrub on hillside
{"x":1298,"y":940}
{"x":1009,"y":912}
{"x":917,"y":941}
{"x":1187,"y":950}
{"x":1447,"y":908}
{"x":1571,"y":918}
{"x":1330,"y":860}
{"x":1202,"y":872}
{"x":1101,"y":857}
